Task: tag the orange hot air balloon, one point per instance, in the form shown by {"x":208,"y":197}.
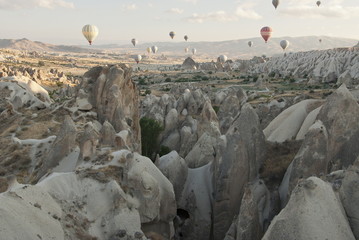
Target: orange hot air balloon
{"x":266,"y":33}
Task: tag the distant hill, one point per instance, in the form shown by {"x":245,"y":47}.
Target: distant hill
{"x":232,"y":48}
{"x":26,"y":44}
{"x":239,"y":48}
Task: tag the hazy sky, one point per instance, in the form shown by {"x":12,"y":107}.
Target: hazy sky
{"x":61,"y":21}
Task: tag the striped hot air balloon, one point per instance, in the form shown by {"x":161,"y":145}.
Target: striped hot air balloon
{"x":90,"y":32}
{"x":266,"y":33}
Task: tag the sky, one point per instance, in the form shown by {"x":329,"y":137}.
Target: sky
{"x":61,"y":21}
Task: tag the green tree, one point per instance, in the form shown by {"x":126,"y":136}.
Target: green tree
{"x":164,"y":150}
{"x":150,"y":130}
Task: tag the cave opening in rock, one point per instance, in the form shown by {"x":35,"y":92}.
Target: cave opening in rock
{"x":182,"y":214}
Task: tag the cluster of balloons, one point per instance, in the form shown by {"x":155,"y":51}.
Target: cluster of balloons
{"x":90,"y":32}
{"x":266,"y":32}
{"x":276,"y":3}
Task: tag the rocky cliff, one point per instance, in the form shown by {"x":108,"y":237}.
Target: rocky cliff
{"x":322,"y":66}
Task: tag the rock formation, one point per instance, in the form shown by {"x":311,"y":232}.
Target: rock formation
{"x":87,"y":188}
{"x":313,"y":211}
{"x":71,"y":166}
{"x":252,"y":220}
{"x":292,"y":121}
{"x":326,"y":66}
{"x":349,"y":195}
{"x":238,"y":159}
{"x":189,"y":64}
{"x":103,"y":91}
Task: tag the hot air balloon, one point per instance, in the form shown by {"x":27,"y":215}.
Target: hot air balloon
{"x":185,"y":38}
{"x":266,"y":33}
{"x":222,"y":58}
{"x":137,"y":58}
{"x":154,"y":49}
{"x":134,"y":41}
{"x":284,"y":44}
{"x":275,"y":3}
{"x":186,"y":49}
{"x":90,"y":32}
{"x":149,"y":50}
{"x":194,"y":51}
{"x":318,"y":3}
{"x":172,"y":34}
{"x":250,"y":43}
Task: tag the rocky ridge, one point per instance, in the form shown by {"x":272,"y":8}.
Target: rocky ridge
{"x":76,"y":164}
{"x":324,"y":66}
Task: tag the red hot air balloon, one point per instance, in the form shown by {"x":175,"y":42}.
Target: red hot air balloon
{"x":266,"y":33}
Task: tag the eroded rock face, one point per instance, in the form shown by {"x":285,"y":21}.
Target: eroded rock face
{"x":107,"y":134}
{"x":193,"y":190}
{"x":340,"y":116}
{"x":253,"y":216}
{"x":195,"y":205}
{"x":333,"y":65}
{"x":238,"y":159}
{"x":203,"y":152}
{"x":28,"y":213}
{"x":114,"y":97}
{"x":189,"y":64}
{"x":114,"y":196}
{"x":100,"y":220}
{"x":63,"y":145}
{"x":313,"y":211}
{"x":85,"y":188}
{"x":289,"y":123}
{"x":230,"y":101}
{"x":25,"y":93}
{"x":349,"y":195}
{"x":185,"y":120}
{"x":175,"y":169}
{"x":157,"y":107}
{"x":310,"y":160}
